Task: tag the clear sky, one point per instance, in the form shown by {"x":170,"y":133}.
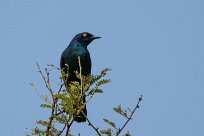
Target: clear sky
{"x":154,"y":47}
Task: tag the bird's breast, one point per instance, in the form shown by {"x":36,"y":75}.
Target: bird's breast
{"x":85,"y":60}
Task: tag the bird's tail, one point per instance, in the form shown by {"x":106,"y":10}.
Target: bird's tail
{"x":80,"y":117}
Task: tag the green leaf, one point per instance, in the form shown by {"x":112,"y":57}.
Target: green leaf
{"x":43,"y":123}
{"x":110,"y":123}
{"x":60,"y":96}
{"x":98,"y":91}
{"x":50,"y":65}
{"x":66,"y":102}
{"x":46,"y":106}
{"x":104,"y":71}
{"x":97,"y":77}
{"x":107,"y":132}
{"x":95,"y":90}
{"x":86,"y":87}
{"x":104,"y":81}
{"x":61,"y":119}
{"x":38,"y":131}
{"x":127,"y":134}
{"x":120,"y":111}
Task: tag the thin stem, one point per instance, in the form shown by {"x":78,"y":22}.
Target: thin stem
{"x":136,"y":107}
{"x":68,"y":127}
{"x":80,"y":73}
{"x":52,"y":116}
{"x":44,"y":78}
{"x":62,"y":130}
{"x":47,"y":83}
{"x":60,"y":89}
{"x":91,"y":124}
{"x":93,"y":127}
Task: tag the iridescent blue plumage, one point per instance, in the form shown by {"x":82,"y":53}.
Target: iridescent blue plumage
{"x":78,"y":47}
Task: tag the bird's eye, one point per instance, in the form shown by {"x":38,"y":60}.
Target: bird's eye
{"x":84,"y":35}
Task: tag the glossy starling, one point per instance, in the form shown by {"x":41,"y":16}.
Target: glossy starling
{"x":78,"y":47}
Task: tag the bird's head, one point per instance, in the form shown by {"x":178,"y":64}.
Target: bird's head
{"x":84,"y":38}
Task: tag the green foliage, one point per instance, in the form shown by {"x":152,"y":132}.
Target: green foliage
{"x":61,"y":101}
{"x":110,"y":123}
{"x":127,"y":134}
{"x":60,"y":118}
{"x":38,"y":131}
{"x":60,"y":104}
{"x":46,"y":106}
{"x":125,"y":113}
{"x":107,"y":132}
{"x":43,"y":123}
{"x":120,"y":111}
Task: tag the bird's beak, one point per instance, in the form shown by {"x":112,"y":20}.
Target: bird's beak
{"x":95,"y":37}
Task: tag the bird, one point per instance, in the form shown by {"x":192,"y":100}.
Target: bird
{"x":69,"y":63}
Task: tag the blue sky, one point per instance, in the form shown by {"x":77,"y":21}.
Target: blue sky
{"x":154,"y":48}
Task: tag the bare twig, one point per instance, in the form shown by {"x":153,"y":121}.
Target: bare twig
{"x":60,"y":112}
{"x":93,"y":127}
{"x":62,"y":130}
{"x":69,"y":126}
{"x":90,"y":124}
{"x":60,"y":89}
{"x":51,"y":119}
{"x":136,"y":107}
{"x":47,"y":83}
{"x":44,"y":78}
{"x":53,"y":109}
